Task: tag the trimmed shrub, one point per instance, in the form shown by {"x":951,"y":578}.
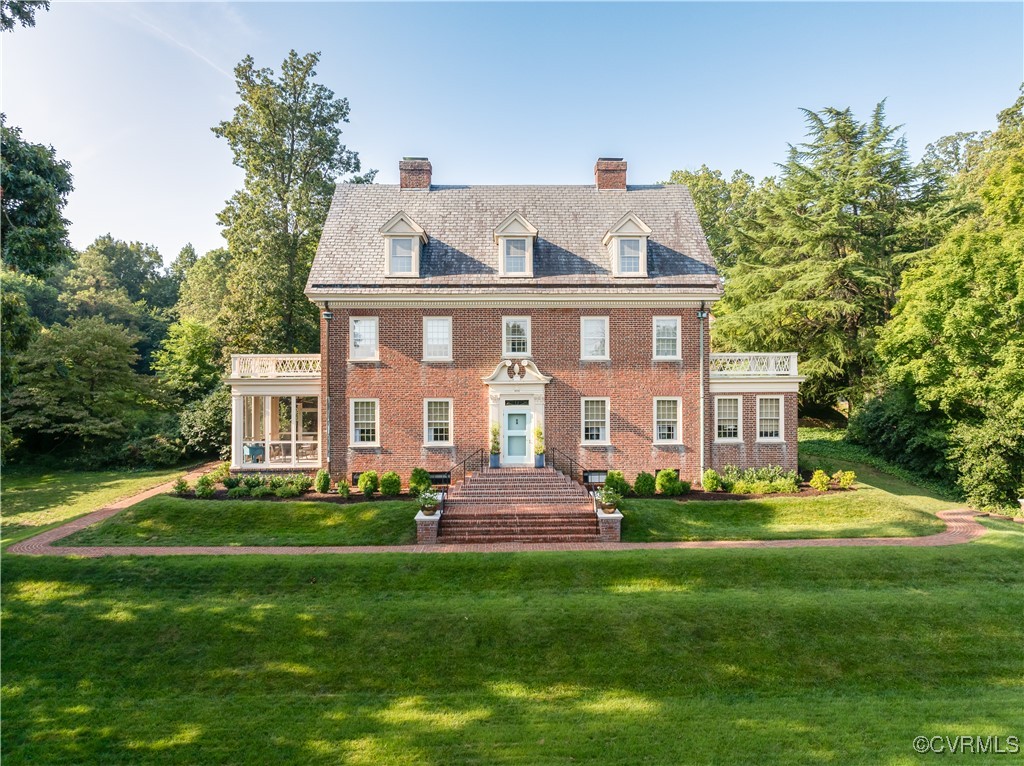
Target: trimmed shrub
{"x":390,"y":484}
{"x":683,"y":488}
{"x":263,"y":490}
{"x":221,"y":472}
{"x":820,"y":481}
{"x":844,"y":479}
{"x":253,"y":481}
{"x":711,"y":481}
{"x":644,"y":485}
{"x":240,"y":491}
{"x":343,"y":489}
{"x":368,"y":483}
{"x":323,"y":481}
{"x":205,"y":486}
{"x":181,"y":487}
{"x":288,"y":490}
{"x":419,"y":481}
{"x":276,"y":482}
{"x":300,"y":481}
{"x":232,"y":482}
{"x":618,"y":482}
{"x":667,"y":483}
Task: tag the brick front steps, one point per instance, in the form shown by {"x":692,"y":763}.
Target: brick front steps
{"x":518,"y":505}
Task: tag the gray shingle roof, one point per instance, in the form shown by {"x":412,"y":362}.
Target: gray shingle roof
{"x":460,"y":221}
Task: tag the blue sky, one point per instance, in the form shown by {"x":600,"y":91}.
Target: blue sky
{"x":492,"y":93}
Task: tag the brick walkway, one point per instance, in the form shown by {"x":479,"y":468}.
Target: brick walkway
{"x":960,"y":528}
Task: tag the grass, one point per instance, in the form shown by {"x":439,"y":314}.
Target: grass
{"x":167,"y":520}
{"x":36,"y":500}
{"x":800,"y":656}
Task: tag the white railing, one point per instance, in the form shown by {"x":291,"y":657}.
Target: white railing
{"x":275,"y":365}
{"x":752,"y":365}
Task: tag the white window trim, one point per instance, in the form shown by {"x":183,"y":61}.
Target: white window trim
{"x":679,"y":338}
{"x":451,"y":423}
{"x":782,"y":418}
{"x":739,"y":421}
{"x":504,"y":336}
{"x":607,"y":340}
{"x":451,"y":341}
{"x":416,"y":245}
{"x":352,"y":424}
{"x":614,"y":253}
{"x":607,"y":420}
{"x":352,"y":340}
{"x":679,"y":419}
{"x":528,"y":273}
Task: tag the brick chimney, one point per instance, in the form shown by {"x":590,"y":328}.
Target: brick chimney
{"x":610,"y":173}
{"x":414,"y":172}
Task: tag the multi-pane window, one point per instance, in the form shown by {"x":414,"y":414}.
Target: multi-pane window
{"x":517,"y":335}
{"x":363,"y":338}
{"x":515,"y":256}
{"x":666,"y":420}
{"x":280,"y":430}
{"x":629,"y":256}
{"x":401,"y":255}
{"x":438,"y":416}
{"x":595,"y":420}
{"x":437,"y":338}
{"x":364,"y":421}
{"x":769,"y":413}
{"x":666,"y":337}
{"x":727,"y":418}
{"x":594,"y":338}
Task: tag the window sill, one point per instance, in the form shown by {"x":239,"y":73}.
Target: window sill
{"x":667,"y":444}
{"x":438,"y":445}
{"x":599,"y":445}
{"x":438,"y":360}
{"x":728,"y":441}
{"x":774,"y":440}
{"x":595,"y":358}
{"x":666,"y":359}
{"x":364,"y":445}
{"x":375,"y":360}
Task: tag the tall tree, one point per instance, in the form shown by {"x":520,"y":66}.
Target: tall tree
{"x":827,"y":245}
{"x":20,"y":12}
{"x":34,"y":188}
{"x":204,"y":290}
{"x":286,"y":135}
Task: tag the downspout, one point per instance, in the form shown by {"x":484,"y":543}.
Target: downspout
{"x":325,"y":370}
{"x":701,"y":316}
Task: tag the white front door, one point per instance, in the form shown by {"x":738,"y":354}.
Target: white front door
{"x":517,"y":437}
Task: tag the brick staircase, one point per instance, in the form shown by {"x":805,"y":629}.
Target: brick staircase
{"x":526,"y":505}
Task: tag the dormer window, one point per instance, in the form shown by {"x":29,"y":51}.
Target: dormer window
{"x":403,"y":240}
{"x":627,"y":246}
{"x":515,"y":237}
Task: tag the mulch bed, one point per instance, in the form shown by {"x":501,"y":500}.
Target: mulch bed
{"x":805,"y":491}
{"x":355,"y":497}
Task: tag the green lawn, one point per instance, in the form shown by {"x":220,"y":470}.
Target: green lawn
{"x":34,"y":500}
{"x":167,"y":520}
{"x":799,"y":656}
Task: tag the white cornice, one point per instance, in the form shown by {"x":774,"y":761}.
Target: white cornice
{"x":750,"y":384}
{"x":497,"y":299}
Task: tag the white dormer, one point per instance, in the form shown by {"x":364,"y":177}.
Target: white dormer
{"x":627,"y":246}
{"x":515,"y":237}
{"x":403,"y":240}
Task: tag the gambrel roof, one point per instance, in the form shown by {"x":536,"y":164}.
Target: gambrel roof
{"x":461,"y":256}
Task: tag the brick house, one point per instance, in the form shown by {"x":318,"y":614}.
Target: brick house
{"x":581,"y":311}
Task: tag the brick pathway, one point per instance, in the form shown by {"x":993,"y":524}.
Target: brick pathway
{"x":960,"y":528}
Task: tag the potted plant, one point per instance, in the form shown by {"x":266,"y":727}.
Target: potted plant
{"x":608,"y":498}
{"x":495,"y":445}
{"x":429,"y":500}
{"x":538,"y":447}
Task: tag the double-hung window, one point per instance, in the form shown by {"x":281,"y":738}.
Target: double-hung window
{"x":594,"y":338}
{"x":365,"y":422}
{"x":516,"y":335}
{"x":401,"y":255}
{"x":769,"y":418}
{"x":363,"y":339}
{"x":515,"y":256}
{"x":437,"y":338}
{"x":595,"y":421}
{"x":629,"y":256}
{"x":666,"y":420}
{"x":666,"y":338}
{"x":727,"y":418}
{"x":437,"y":422}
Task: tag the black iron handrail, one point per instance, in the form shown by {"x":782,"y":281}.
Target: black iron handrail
{"x":458,"y":471}
{"x":569,"y":466}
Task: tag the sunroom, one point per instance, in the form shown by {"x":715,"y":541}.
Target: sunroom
{"x":275,"y":412}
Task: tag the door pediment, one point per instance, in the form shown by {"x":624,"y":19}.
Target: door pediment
{"x":512,"y":372}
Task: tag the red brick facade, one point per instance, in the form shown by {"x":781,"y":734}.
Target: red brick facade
{"x":752,"y":452}
{"x":401,"y":381}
